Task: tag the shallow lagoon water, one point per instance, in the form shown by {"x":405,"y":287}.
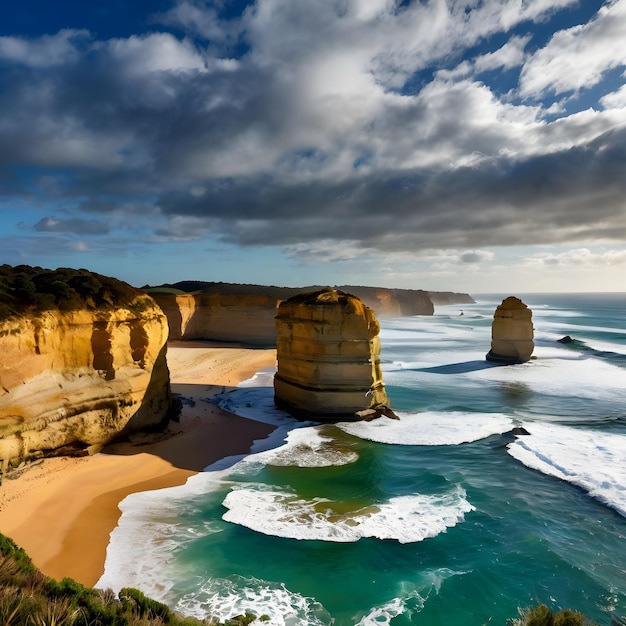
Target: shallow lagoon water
{"x":443,"y":517}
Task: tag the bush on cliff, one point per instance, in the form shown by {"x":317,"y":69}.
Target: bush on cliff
{"x":541,"y":615}
{"x":29,"y":598}
{"x":24,"y":289}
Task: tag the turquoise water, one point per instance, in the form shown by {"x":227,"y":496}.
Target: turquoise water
{"x":443,"y":517}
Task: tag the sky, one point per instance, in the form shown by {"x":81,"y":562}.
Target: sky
{"x":466,"y":145}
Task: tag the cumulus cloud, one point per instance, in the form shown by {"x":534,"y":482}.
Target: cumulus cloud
{"x":47,"y":51}
{"x":511,"y":54}
{"x":336,"y":129}
{"x":578,"y":57}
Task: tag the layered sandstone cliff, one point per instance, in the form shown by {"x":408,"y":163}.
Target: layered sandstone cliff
{"x":328,"y":365}
{"x":239,"y":318}
{"x":440,"y":298}
{"x":393,"y":302}
{"x":245,"y":313}
{"x":80,"y":378}
{"x":512,"y":333}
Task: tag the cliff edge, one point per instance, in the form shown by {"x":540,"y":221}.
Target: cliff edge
{"x":77,"y":370}
{"x":245,"y":314}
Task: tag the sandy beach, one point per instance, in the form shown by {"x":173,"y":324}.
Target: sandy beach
{"x":62,"y":510}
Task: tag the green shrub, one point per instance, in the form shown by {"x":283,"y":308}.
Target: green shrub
{"x":569,"y":618}
{"x":541,"y":615}
{"x":9,"y":548}
{"x":133,"y":599}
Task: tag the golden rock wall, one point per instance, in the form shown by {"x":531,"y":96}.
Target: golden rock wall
{"x":512,"y":333}
{"x":81,"y":378}
{"x":247,"y":319}
{"x":328,"y":365}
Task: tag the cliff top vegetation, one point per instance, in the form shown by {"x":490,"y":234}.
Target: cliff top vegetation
{"x":28,"y":597}
{"x":25,"y":289}
{"x":200,"y":286}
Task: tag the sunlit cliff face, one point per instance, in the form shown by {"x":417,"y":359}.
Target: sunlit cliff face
{"x":327,"y":348}
{"x":81,"y":378}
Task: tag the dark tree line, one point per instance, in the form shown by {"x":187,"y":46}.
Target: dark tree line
{"x":24,"y":288}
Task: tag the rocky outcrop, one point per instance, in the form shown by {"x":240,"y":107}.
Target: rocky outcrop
{"x":441,"y":298}
{"x":80,"y":378}
{"x":393,"y":302}
{"x":512,"y":333}
{"x":328,"y":365}
{"x":238,"y":318}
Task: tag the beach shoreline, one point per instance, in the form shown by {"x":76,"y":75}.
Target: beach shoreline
{"x":62,"y":510}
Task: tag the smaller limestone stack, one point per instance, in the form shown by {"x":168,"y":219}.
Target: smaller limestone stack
{"x":328,"y":365}
{"x":511,"y":333}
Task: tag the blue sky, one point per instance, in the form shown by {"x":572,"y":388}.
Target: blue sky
{"x":475,"y":145}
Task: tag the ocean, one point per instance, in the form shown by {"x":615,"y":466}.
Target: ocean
{"x":443,"y":517}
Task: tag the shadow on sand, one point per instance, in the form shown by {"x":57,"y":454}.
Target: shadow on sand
{"x":203,"y":434}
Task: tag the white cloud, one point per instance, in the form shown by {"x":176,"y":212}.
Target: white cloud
{"x":615,"y":99}
{"x":509,"y":55}
{"x":159,"y":52}
{"x":581,"y":257}
{"x":578,"y":58}
{"x":46,"y":51}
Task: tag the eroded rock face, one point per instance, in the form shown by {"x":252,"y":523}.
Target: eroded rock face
{"x":512,"y":332}
{"x":80,"y":378}
{"x":247,"y":319}
{"x":328,"y":365}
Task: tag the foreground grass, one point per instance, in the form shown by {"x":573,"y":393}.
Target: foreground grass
{"x":29,"y":598}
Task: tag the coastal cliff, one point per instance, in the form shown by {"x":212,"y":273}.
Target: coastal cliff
{"x":442,"y":298}
{"x":70,"y":379}
{"x":245,"y":313}
{"x":240,"y":318}
{"x":328,"y":363}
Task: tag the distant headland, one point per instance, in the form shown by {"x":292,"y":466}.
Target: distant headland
{"x":245,"y":313}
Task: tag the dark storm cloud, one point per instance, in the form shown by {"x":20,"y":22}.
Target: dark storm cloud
{"x":579,"y":192}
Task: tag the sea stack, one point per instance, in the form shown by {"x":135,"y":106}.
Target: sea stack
{"x":511,"y":333}
{"x":328,"y":365}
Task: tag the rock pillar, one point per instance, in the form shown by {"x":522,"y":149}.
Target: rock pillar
{"x":511,"y":333}
{"x":328,"y":365}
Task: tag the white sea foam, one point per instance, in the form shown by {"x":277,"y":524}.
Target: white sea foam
{"x":306,"y":447}
{"x":149,"y":529}
{"x":407,"y":519}
{"x":430,"y":428}
{"x":223,"y":598}
{"x":556,"y":373}
{"x":411,"y":596}
{"x":255,"y":403}
{"x":381,"y":615}
{"x":593,"y":460}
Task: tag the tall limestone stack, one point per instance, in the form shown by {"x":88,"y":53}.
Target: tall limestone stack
{"x":328,"y":365}
{"x":511,"y":332}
